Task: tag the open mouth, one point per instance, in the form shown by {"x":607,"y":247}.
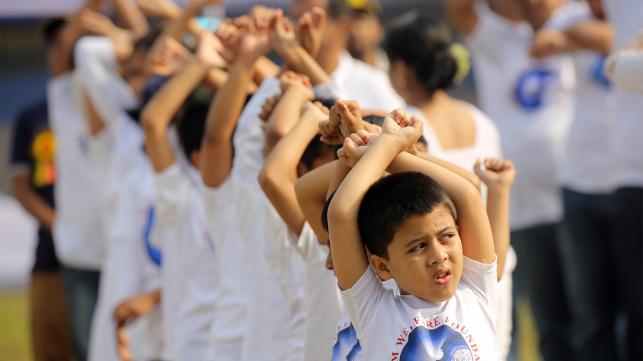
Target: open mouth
{"x":442,"y":277}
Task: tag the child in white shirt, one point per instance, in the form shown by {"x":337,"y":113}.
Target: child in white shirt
{"x":446,"y":305}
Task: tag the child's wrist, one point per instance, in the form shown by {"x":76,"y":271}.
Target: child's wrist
{"x":390,"y":141}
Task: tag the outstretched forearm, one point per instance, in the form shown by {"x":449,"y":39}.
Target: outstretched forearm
{"x":158,"y":113}
{"x":595,"y":35}
{"x":498,"y":212}
{"x":279,"y":174}
{"x":222,"y":120}
{"x":132,"y":17}
{"x":311,"y":191}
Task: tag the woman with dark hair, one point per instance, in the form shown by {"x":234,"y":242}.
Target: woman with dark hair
{"x":424,"y":63}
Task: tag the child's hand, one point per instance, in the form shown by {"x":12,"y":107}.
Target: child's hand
{"x":268,"y":106}
{"x":253,"y":45}
{"x":355,"y":146}
{"x":330,"y":132}
{"x":495,"y":173}
{"x":131,"y":309}
{"x":282,"y":34}
{"x":290,"y":80}
{"x":350,"y":117}
{"x":310,"y":30}
{"x":404,"y":127}
{"x":210,"y":49}
{"x":167,"y":57}
{"x":315,"y":112}
{"x":122,"y":344}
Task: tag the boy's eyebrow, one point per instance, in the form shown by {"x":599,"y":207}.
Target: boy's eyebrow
{"x":423,"y":237}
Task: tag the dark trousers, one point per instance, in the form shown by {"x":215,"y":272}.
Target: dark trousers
{"x":628,"y":231}
{"x":538,"y":276}
{"x":589,"y":263}
{"x":81,"y":291}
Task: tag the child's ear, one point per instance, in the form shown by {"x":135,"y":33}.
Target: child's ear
{"x":380,"y":266}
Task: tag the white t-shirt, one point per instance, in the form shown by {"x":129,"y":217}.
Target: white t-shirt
{"x":626,"y":146}
{"x":190,"y":278}
{"x":77,"y":230}
{"x":403,"y":327}
{"x":127,"y":198}
{"x":586,"y":165}
{"x":368,"y":85}
{"x":531,"y":103}
{"x":322,"y":302}
{"x":229,"y":323}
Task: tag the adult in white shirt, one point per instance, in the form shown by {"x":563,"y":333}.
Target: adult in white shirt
{"x":127,"y":193}
{"x":76,"y":230}
{"x":455,"y":130}
{"x":627,"y":155}
{"x":352,"y":78}
{"x":530,"y":102}
{"x":587,"y":222}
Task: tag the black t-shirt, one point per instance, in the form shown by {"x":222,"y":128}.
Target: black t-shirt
{"x":32,"y":152}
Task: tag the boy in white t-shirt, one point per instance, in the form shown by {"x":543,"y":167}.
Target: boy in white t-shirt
{"x":227,"y":204}
{"x":190,"y":279}
{"x":295,"y":154}
{"x":446,"y":305}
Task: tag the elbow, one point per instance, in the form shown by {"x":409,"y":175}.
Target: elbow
{"x":338,"y":212}
{"x":267,"y":180}
{"x":150,"y":127}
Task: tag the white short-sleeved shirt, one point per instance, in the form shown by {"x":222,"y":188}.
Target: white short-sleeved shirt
{"x":625,"y":145}
{"x":531,"y":103}
{"x":368,"y":85}
{"x":586,"y":166}
{"x":229,"y":324}
{"x":403,"y":327}
{"x":190,"y":279}
{"x":77,"y":230}
{"x":322,"y":302}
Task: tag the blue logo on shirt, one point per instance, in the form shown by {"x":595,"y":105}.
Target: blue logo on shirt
{"x":347,"y":347}
{"x":532,"y":86}
{"x":597,"y":73}
{"x":153,"y":253}
{"x":442,"y":343}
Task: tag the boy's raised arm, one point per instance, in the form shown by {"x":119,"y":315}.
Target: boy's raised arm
{"x":279,"y":174}
{"x":225,"y":110}
{"x":311,"y":191}
{"x":474,"y":228}
{"x":349,"y":255}
{"x":158,"y":113}
{"x":498,"y":175}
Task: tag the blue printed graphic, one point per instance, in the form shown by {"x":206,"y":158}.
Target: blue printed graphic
{"x":153,"y":253}
{"x":531,"y":88}
{"x":442,"y":343}
{"x":597,"y":73}
{"x":347,"y":347}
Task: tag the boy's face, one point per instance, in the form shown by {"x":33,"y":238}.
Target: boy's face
{"x":425,"y":256}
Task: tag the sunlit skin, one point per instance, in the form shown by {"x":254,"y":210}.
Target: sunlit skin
{"x":425,"y":257}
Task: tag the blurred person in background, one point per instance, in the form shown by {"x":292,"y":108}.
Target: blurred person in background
{"x":77,"y":233}
{"x":587,"y":235}
{"x":33,"y":177}
{"x":530,"y":100}
{"x":366,"y":33}
{"x":627,"y":156}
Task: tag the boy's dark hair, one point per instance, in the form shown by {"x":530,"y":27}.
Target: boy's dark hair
{"x":324,"y":215}
{"x":50,"y":28}
{"x":317,"y":149}
{"x":146,"y":42}
{"x":429,"y":56}
{"x":190,"y":123}
{"x":392,"y":200}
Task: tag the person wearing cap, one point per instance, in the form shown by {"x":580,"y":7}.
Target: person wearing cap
{"x":366,"y":33}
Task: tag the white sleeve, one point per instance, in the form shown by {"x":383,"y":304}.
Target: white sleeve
{"x":308,"y":246}
{"x":172,"y":188}
{"x":329,"y":90}
{"x":110,"y":94}
{"x":482,"y":279}
{"x":625,"y":69}
{"x":363,"y":300}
